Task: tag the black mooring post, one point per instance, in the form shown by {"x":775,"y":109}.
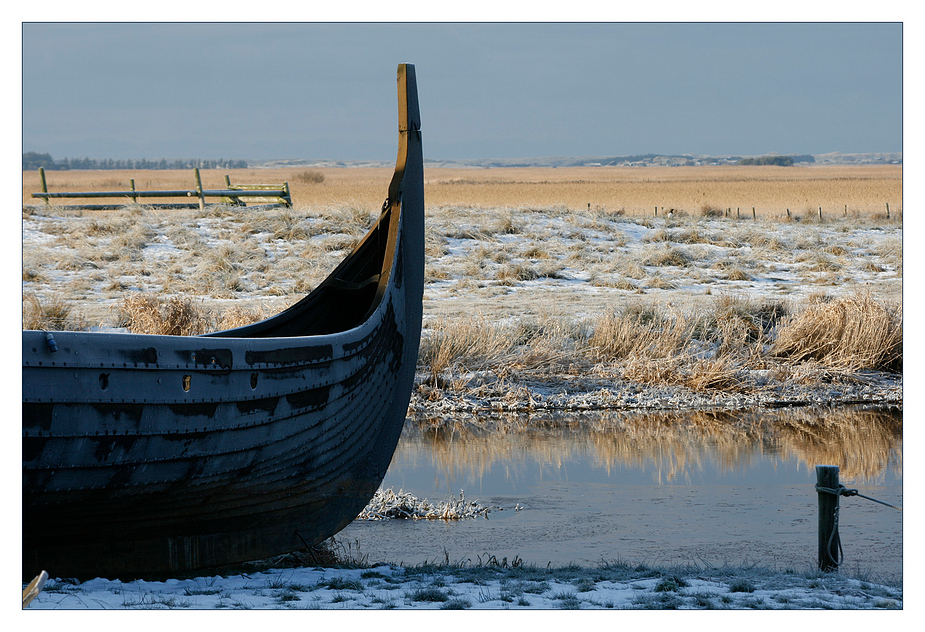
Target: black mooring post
{"x":829,"y":545}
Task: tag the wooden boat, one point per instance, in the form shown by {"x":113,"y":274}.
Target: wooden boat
{"x":146,"y":455}
{"x":32,"y":590}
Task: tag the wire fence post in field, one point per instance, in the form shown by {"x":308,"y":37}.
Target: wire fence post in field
{"x":202,"y":199}
{"x":45,"y":186}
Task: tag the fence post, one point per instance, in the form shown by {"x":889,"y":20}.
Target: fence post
{"x":48,"y":202}
{"x":134,"y":197}
{"x":202,"y":199}
{"x":887,"y":204}
{"x":753,"y":213}
{"x":829,"y":544}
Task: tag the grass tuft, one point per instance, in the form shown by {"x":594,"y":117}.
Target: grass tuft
{"x":429,"y":593}
{"x":53,"y":313}
{"x":850,"y":333}
{"x":742,"y":585}
{"x":175,"y":316}
{"x":309,"y":176}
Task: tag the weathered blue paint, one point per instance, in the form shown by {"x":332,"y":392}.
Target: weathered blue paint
{"x":162,"y":454}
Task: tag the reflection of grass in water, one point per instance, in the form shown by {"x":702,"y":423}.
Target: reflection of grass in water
{"x":862,"y":442}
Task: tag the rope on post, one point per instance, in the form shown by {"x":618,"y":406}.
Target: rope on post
{"x":830,"y":549}
{"x":827,"y":485}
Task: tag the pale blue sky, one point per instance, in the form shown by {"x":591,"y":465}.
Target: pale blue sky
{"x":327,"y":91}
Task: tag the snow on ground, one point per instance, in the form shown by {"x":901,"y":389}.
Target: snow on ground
{"x":478,"y":588}
{"x":779,"y":260}
{"x":476,"y":264}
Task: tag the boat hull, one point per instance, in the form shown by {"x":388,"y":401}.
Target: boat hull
{"x":158,"y":482}
{"x":150,"y":455}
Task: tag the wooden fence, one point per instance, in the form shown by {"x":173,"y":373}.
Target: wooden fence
{"x":233,"y":194}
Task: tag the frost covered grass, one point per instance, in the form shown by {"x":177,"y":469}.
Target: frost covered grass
{"x":524,"y":299}
{"x":486,"y":585}
{"x":388,"y":504}
{"x":731,"y":344}
{"x":535,"y":299}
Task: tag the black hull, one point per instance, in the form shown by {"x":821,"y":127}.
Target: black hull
{"x":145,"y":455}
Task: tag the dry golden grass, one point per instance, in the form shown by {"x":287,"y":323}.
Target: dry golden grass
{"x":653,"y":336}
{"x":467,"y":345}
{"x":52,"y":313}
{"x":838,"y":189}
{"x":639,"y":190}
{"x":713,"y":349}
{"x":509,"y":244}
{"x":176,"y":316}
{"x":850,"y":333}
{"x":707,"y":351}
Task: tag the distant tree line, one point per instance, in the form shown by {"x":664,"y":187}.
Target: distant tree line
{"x":32,"y":160}
{"x":780,"y":161}
{"x":618,"y":160}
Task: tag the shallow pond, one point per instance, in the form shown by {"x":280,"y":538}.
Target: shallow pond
{"x":705,"y":488}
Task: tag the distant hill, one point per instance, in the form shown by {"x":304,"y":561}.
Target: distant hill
{"x":33,"y":160}
{"x":643,"y":160}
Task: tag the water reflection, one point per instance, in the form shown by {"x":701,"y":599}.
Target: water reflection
{"x":865,"y":443}
{"x":664,"y":488}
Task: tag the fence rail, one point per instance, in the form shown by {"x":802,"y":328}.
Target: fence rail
{"x":274,"y":194}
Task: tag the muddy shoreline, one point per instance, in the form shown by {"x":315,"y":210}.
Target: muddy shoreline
{"x":488,"y":394}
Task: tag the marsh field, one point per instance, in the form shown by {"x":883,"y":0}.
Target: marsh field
{"x":615,"y":359}
{"x":545,"y":287}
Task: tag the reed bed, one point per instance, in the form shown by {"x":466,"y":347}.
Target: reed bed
{"x":610,"y":191}
{"x":851,"y":333}
{"x":545,"y":291}
{"x":721,"y":349}
{"x":731,"y":347}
